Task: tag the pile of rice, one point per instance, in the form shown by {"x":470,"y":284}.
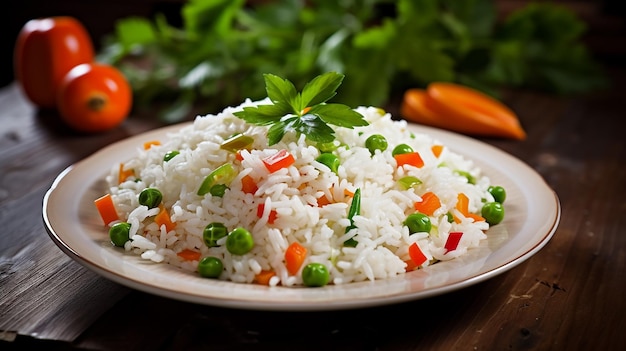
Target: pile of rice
{"x":383,"y":239}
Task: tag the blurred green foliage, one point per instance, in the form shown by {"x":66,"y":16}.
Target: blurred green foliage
{"x":218,"y":56}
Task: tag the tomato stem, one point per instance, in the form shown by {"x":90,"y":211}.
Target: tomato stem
{"x":96,"y":102}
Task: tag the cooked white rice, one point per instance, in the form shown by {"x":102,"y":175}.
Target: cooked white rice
{"x":383,"y":239}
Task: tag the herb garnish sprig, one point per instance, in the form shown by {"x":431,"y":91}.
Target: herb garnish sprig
{"x":303,"y":113}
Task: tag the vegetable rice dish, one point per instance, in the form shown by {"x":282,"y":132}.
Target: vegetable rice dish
{"x":277,"y":192}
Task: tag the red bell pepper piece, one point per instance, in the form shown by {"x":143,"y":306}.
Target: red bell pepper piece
{"x":416,"y":254}
{"x":453,"y":241}
{"x":281,"y":159}
{"x":272,"y":216}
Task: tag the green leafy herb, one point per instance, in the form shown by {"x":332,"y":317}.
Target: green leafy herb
{"x":218,"y":54}
{"x":303,"y":113}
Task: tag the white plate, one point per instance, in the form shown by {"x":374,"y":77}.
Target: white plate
{"x":532,"y":215}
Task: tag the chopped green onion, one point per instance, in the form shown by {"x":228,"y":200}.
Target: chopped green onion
{"x":355,"y":210}
{"x":170,"y":155}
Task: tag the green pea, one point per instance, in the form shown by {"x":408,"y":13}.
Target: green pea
{"x":218,"y":190}
{"x":239,"y":241}
{"x":150,"y":197}
{"x":315,"y":274}
{"x":327,"y":147}
{"x":376,"y":142}
{"x":170,"y":155}
{"x":493,"y":212}
{"x":119,"y":233}
{"x":418,"y":222}
{"x":210,"y":267}
{"x":330,"y":160}
{"x":498,"y":193}
{"x":401,"y":149}
{"x":214,"y":232}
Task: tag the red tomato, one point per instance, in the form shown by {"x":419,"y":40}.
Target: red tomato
{"x":94,"y":97}
{"x":45,"y":50}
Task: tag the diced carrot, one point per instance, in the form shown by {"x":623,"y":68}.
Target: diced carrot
{"x":248,"y":185}
{"x":124,"y":174}
{"x":106,"y":208}
{"x":416,"y":254}
{"x":264,"y":277}
{"x":429,"y":204}
{"x":149,"y":144}
{"x":272,"y":216}
{"x":163,"y":218}
{"x":437,"y":149}
{"x":409,"y":158}
{"x":323,"y":201}
{"x":294,"y":257}
{"x":189,"y":255}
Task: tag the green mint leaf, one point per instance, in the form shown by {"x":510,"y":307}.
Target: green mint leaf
{"x":339,"y":115}
{"x":263,"y":115}
{"x":281,"y":90}
{"x":321,"y":89}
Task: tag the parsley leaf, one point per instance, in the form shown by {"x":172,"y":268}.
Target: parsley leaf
{"x":302,"y":113}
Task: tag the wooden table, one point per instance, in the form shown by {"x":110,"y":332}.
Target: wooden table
{"x":571,"y":295}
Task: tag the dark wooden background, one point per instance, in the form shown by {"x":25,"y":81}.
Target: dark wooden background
{"x":604,"y":17}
